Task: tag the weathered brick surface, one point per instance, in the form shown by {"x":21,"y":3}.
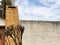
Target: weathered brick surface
{"x":12,"y":19}
{"x":12,"y":16}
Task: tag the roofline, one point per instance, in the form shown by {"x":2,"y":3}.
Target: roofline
{"x":3,"y":24}
{"x":40,"y":20}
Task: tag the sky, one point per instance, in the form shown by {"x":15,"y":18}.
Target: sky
{"x":39,"y":10}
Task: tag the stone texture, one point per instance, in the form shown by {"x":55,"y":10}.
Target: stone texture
{"x":11,"y":16}
{"x":41,"y":33}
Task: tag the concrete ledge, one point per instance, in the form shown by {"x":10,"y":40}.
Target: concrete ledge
{"x":2,"y":22}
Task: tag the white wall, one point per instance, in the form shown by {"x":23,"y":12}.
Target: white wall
{"x":41,"y":33}
{"x":2,"y":22}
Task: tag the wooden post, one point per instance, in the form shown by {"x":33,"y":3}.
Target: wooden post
{"x":4,"y":3}
{"x":3,"y":9}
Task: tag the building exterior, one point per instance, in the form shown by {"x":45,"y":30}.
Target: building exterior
{"x":9,"y":25}
{"x":41,"y":33}
{"x":36,"y":32}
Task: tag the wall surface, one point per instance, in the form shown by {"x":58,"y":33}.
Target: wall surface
{"x":41,"y":33}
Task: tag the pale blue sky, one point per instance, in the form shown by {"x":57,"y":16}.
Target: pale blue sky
{"x":40,"y":10}
{"x":45,"y":10}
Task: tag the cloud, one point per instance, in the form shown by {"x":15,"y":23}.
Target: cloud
{"x":43,"y":3}
{"x":39,"y":10}
{"x":0,"y":0}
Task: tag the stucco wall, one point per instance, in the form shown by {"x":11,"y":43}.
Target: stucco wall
{"x":41,"y":33}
